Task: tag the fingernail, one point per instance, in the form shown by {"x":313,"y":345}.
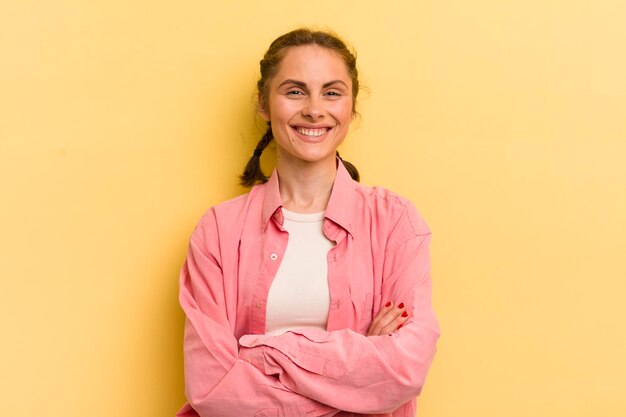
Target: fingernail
{"x":388,"y":304}
{"x":399,"y":326}
{"x":401,"y":305}
{"x":405,"y":314}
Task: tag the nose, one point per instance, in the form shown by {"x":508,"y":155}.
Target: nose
{"x":313,"y":108}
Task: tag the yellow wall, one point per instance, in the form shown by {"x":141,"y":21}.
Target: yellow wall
{"x":505,"y":122}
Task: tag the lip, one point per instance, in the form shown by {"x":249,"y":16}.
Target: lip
{"x":310,"y":126}
{"x":311,"y":139}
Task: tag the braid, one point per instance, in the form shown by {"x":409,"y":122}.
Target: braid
{"x":354,"y":173}
{"x":252,"y":172}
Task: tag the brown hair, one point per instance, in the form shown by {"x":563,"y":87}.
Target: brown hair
{"x":252,"y":173}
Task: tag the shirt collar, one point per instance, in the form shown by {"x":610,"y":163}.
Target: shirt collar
{"x":339,"y":206}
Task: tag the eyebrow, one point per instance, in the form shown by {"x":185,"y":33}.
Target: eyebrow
{"x":303,"y":85}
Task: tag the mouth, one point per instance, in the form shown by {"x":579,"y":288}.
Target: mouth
{"x":309,"y":134}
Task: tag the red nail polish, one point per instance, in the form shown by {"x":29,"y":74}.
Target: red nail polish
{"x":388,"y":304}
{"x":399,"y":326}
{"x":401,"y":305}
{"x":405,"y":314}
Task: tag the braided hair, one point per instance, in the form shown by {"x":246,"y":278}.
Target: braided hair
{"x":252,"y":173}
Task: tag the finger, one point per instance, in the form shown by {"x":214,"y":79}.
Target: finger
{"x":396,"y":324}
{"x":392,"y":325}
{"x":389,"y":318}
{"x":385,"y":319}
{"x":381,"y":313}
{"x":375,"y":325}
{"x":382,"y":325}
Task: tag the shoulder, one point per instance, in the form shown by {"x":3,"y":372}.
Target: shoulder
{"x":386,"y":206}
{"x":226,"y":217}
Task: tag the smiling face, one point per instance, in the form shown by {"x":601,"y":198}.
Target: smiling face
{"x":309,"y":105}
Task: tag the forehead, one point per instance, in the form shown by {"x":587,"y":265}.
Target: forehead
{"x":312,"y":63}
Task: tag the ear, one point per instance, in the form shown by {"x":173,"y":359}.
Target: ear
{"x":262,"y":109}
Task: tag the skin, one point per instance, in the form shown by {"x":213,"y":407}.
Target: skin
{"x":311,"y":90}
{"x":310,"y":108}
{"x":388,"y":320}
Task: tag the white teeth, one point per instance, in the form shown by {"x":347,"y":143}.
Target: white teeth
{"x":312,"y":132}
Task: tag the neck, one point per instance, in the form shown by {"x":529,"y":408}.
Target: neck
{"x":306,"y":187}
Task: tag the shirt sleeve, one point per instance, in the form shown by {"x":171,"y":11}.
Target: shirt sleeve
{"x":217,"y":381}
{"x":357,"y":373}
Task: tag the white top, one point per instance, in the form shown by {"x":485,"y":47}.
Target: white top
{"x":299,"y":296}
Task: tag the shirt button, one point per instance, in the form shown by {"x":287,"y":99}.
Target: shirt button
{"x":259,"y":304}
{"x":273,"y":256}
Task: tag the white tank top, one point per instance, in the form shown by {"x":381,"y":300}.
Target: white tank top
{"x":299,"y":296}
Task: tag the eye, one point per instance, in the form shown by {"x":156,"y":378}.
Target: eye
{"x":334,"y":93}
{"x":295,"y":92}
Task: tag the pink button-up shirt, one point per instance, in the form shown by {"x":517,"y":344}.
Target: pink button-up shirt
{"x":381,"y":254}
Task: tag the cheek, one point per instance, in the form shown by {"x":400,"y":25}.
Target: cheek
{"x":283,"y":109}
{"x":343,"y":106}
{"x":343,"y":113}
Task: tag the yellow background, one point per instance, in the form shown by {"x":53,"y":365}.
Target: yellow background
{"x":504,"y":121}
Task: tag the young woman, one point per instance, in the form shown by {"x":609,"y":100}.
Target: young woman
{"x":311,"y":294}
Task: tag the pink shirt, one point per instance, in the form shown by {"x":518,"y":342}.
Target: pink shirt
{"x":380,"y":254}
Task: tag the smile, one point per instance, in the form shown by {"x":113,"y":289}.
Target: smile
{"x":312,"y":133}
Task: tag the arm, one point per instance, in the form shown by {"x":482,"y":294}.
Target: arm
{"x":217,"y":381}
{"x":357,"y":373}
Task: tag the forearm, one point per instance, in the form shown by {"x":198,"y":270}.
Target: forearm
{"x":217,"y":382}
{"x":239,"y":389}
{"x":245,"y":391}
{"x":347,"y":370}
{"x":353,"y":372}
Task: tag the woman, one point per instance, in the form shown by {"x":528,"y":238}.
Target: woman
{"x":310,"y":295}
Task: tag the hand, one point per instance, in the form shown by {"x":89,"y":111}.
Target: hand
{"x":389,"y":319}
